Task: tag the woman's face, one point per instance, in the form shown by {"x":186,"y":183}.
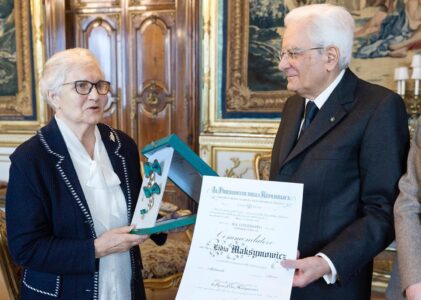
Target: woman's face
{"x":80,"y":111}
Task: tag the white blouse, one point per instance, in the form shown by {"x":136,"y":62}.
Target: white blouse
{"x":101,"y":187}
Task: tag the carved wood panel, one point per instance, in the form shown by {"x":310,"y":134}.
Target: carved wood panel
{"x":95,"y":3}
{"x":101,"y":34}
{"x":152,"y":72}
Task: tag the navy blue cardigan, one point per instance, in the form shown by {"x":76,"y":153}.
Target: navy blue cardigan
{"x":50,"y":228}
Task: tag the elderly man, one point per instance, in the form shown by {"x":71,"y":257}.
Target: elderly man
{"x":347,"y":141}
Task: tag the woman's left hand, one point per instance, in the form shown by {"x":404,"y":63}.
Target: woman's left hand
{"x":117,"y":240}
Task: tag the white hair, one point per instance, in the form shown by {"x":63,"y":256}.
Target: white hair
{"x":327,"y":25}
{"x":60,"y":64}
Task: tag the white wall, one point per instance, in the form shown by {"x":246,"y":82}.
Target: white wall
{"x":5,"y":162}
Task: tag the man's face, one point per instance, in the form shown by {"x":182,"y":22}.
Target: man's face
{"x":303,"y":63}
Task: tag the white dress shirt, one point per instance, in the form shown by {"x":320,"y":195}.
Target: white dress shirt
{"x":108,"y":208}
{"x":320,"y":100}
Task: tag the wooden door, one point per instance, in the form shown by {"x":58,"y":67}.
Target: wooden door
{"x":149,"y":52}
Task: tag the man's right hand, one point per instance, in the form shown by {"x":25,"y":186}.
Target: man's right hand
{"x":307,"y":269}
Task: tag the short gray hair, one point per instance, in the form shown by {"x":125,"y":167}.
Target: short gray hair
{"x":327,"y":25}
{"x":60,"y":64}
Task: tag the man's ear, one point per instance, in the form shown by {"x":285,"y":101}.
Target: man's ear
{"x":333,"y":55}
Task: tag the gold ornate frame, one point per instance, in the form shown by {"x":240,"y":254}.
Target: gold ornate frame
{"x":262,"y":162}
{"x":237,"y":74}
{"x":16,"y":130}
{"x":239,"y":98}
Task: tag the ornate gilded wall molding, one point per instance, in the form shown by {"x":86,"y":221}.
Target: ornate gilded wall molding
{"x":23,"y":113}
{"x":95,"y":3}
{"x":239,"y":98}
{"x":19,"y":106}
{"x":233,"y":155}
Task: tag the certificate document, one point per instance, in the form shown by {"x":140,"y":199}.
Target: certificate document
{"x":244,"y":229}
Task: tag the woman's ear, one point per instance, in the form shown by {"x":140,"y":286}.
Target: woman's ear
{"x":53,"y":100}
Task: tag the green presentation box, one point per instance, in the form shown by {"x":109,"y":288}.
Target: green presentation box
{"x":187,"y":168}
{"x":167,"y":225}
{"x":186,"y":171}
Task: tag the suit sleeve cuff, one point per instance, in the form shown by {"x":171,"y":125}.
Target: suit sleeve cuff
{"x":330,"y":277}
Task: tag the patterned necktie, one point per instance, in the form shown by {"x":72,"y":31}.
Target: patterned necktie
{"x":310,"y":113}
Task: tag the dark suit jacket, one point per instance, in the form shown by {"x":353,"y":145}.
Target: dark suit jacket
{"x":350,"y":160}
{"x":50,"y":228}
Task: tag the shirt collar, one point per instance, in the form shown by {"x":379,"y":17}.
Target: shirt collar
{"x":321,"y":99}
{"x":98,"y":171}
{"x":73,"y":144}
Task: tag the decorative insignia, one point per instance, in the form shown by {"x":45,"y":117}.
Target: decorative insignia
{"x":154,"y":167}
{"x":151,"y":188}
{"x":112,"y":137}
{"x":154,"y":189}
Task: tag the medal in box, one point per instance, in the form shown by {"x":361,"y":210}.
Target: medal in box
{"x":170,"y":158}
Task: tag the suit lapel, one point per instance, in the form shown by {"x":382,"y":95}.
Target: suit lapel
{"x":112,"y":145}
{"x":332,"y":112}
{"x":290,"y":127}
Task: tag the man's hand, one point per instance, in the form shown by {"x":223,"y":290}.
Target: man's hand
{"x":413,"y":292}
{"x":117,"y":240}
{"x":307,"y":269}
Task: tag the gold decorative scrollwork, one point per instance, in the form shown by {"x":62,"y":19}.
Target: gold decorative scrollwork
{"x":23,"y":111}
{"x":206,"y":78}
{"x":20,"y":106}
{"x":99,"y":20}
{"x":238,"y":96}
{"x":154,"y":98}
{"x":204,"y":150}
{"x":86,"y":4}
{"x":231,"y":172}
{"x":262,"y":165}
{"x":206,"y":28}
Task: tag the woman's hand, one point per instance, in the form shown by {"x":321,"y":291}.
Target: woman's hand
{"x":117,"y":240}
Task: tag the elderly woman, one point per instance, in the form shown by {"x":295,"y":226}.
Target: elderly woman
{"x":72,"y":191}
